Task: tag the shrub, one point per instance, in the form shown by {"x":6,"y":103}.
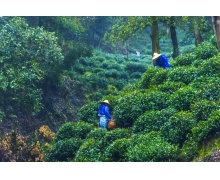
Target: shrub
{"x":177,"y":127}
{"x":198,"y":133}
{"x":89,"y":113}
{"x":159,"y":77}
{"x":210,"y":67}
{"x":203,"y":109}
{"x":147,"y":76}
{"x":63,"y":150}
{"x":185,"y":74}
{"x":73,"y":130}
{"x":170,"y":87}
{"x":184,"y":59}
{"x":152,"y":120}
{"x":96,"y":134}
{"x":113,"y":135}
{"x":183,"y":97}
{"x":134,"y":67}
{"x":152,"y":147}
{"x":116,"y":152}
{"x":136,"y":75}
{"x":112,"y":73}
{"x":205,"y":51}
{"x":89,"y":151}
{"x":128,"y":109}
{"x":189,"y":150}
{"x":154,"y":100}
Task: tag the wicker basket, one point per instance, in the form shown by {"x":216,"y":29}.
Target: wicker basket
{"x":111,"y":124}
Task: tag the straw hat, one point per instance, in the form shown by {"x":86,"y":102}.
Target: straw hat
{"x":155,"y":56}
{"x":106,"y":102}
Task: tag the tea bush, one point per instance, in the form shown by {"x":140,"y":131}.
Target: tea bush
{"x":94,"y":148}
{"x":131,"y":67}
{"x":205,"y":50}
{"x":128,"y":109}
{"x":113,"y":135}
{"x":116,"y":152}
{"x":189,"y":150}
{"x":170,"y":87}
{"x":199,"y":133}
{"x":153,"y":100}
{"x":73,"y":130}
{"x":202,"y":109}
{"x":210,"y":67}
{"x":184,"y":59}
{"x":147,"y":76}
{"x":63,"y":150}
{"x":185,"y":74}
{"x":177,"y":127}
{"x":159,"y":77}
{"x":183,"y":97}
{"x":96,"y":134}
{"x":152,"y":120}
{"x":152,"y":147}
{"x":89,"y":113}
{"x":89,"y":151}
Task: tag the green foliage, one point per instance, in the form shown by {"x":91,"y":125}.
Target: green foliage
{"x":113,"y":135}
{"x":63,"y":150}
{"x":96,"y":134}
{"x":152,"y":147}
{"x":203,"y":109}
{"x":153,"y":100}
{"x":152,"y":120}
{"x":170,"y":87}
{"x":147,"y":76}
{"x":131,"y":67}
{"x":184,"y":60}
{"x":205,"y":51}
{"x":159,"y":77}
{"x":177,"y":127}
{"x":89,"y":151}
{"x":183,"y":97}
{"x":128,"y":109}
{"x":185,"y":74}
{"x":116,"y":152}
{"x":199,"y":133}
{"x":89,"y":113}
{"x":210,"y":67}
{"x":73,"y":130}
{"x":28,"y":57}
{"x":94,"y":148}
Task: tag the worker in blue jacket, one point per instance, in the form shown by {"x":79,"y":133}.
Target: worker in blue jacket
{"x":104,"y":114}
{"x":160,"y":60}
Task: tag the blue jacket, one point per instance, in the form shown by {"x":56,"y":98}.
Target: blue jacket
{"x":162,"y":62}
{"x":104,"y":110}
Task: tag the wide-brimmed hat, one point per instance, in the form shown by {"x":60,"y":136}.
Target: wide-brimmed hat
{"x":106,"y":102}
{"x":155,"y":56}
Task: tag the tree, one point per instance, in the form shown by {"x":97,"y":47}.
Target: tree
{"x":27,"y":57}
{"x":216,"y":28}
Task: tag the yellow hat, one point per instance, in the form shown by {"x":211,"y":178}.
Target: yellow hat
{"x":155,"y":56}
{"x":106,"y":102}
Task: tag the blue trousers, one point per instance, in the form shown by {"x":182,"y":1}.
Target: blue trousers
{"x":103,"y":122}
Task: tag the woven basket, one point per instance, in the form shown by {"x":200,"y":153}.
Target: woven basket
{"x":111,"y":125}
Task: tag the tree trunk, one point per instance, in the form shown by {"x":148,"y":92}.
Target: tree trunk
{"x":155,"y":37}
{"x":174,"y":38}
{"x":197,"y":34}
{"x":198,"y":37}
{"x":216,"y":27}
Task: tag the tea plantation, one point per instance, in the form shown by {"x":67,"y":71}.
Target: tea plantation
{"x":166,"y":116}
